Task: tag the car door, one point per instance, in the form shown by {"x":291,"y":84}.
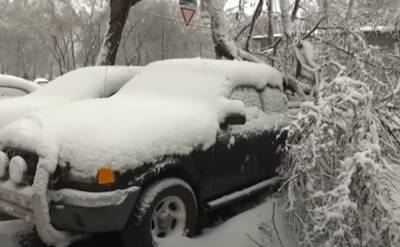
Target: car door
{"x":236,"y":149}
{"x":246,"y":154}
{"x":271,"y":139}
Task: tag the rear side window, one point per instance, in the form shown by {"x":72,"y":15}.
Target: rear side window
{"x":248,"y":95}
{"x":261,"y":107}
{"x":273,"y":100}
{"x":268,"y":100}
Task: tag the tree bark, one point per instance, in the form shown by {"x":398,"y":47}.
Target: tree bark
{"x":119,"y":11}
{"x":325,"y":10}
{"x":286,"y":21}
{"x":270,"y":30}
{"x":349,"y":10}
{"x":296,"y":7}
{"x":224,"y":45}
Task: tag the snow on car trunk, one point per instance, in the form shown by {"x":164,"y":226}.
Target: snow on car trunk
{"x":171,"y":107}
{"x":84,"y":83}
{"x":9,"y":231}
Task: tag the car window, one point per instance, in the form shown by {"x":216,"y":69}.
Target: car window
{"x":273,"y":100}
{"x":254,"y":111}
{"x":262,"y":110}
{"x":248,"y":95}
{"x":8,"y":92}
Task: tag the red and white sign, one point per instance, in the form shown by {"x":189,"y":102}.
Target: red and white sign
{"x":188,"y":9}
{"x":187,"y":14}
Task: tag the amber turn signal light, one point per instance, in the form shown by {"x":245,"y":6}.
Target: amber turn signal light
{"x":105,"y":176}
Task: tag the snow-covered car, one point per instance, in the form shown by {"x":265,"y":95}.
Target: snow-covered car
{"x":41,"y":81}
{"x":12,"y":86}
{"x":181,"y":138}
{"x":83,"y":83}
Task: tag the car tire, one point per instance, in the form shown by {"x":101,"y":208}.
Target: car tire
{"x":166,"y":209}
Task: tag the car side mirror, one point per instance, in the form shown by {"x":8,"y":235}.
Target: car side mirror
{"x":234,"y":119}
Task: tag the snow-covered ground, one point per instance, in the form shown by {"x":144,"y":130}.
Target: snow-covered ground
{"x":11,"y":232}
{"x":262,"y":225}
{"x":251,"y":228}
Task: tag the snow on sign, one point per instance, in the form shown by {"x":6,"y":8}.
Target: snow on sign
{"x":188,"y":9}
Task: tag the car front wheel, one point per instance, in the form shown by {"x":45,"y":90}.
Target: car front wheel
{"x":165,"y":210}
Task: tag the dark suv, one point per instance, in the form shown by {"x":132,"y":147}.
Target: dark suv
{"x":183,"y":137}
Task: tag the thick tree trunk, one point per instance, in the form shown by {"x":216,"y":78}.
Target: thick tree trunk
{"x":286,"y":22}
{"x":270,"y":30}
{"x":119,"y":11}
{"x":224,"y":45}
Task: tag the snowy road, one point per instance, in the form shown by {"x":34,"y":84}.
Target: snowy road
{"x":16,"y":233}
{"x":238,"y":226}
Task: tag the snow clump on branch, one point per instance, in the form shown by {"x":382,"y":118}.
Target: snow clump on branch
{"x":340,"y":187}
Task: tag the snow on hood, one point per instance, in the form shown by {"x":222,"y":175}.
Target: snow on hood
{"x":83,"y":83}
{"x":171,"y":107}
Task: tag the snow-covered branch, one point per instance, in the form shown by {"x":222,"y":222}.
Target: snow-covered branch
{"x":340,"y":181}
{"x":225,"y":46}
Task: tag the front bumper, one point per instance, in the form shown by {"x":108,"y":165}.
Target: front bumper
{"x":91,"y":212}
{"x":57,"y":213}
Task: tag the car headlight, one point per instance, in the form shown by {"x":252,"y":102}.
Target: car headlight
{"x":18,"y":167}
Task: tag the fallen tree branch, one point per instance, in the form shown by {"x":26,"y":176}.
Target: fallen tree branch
{"x":242,"y":31}
{"x":226,"y":47}
{"x":272,"y":46}
{"x":296,"y":86}
{"x":254,"y":241}
{"x":274,"y":224}
{"x":315,"y":27}
{"x":223,"y":44}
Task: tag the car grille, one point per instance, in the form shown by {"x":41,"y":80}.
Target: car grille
{"x":31,"y":159}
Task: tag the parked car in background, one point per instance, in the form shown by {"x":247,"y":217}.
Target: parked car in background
{"x":181,"y":138}
{"x":12,"y":86}
{"x":80,"y":84}
{"x":41,"y":81}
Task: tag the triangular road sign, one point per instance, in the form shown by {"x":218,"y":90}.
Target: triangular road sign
{"x":187,"y":14}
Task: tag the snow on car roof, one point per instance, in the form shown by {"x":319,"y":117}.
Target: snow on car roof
{"x":83,"y":83}
{"x":171,"y":107}
{"x":183,"y":74}
{"x":206,"y":80}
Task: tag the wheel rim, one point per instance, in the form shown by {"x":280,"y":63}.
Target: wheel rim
{"x":168,"y":219}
